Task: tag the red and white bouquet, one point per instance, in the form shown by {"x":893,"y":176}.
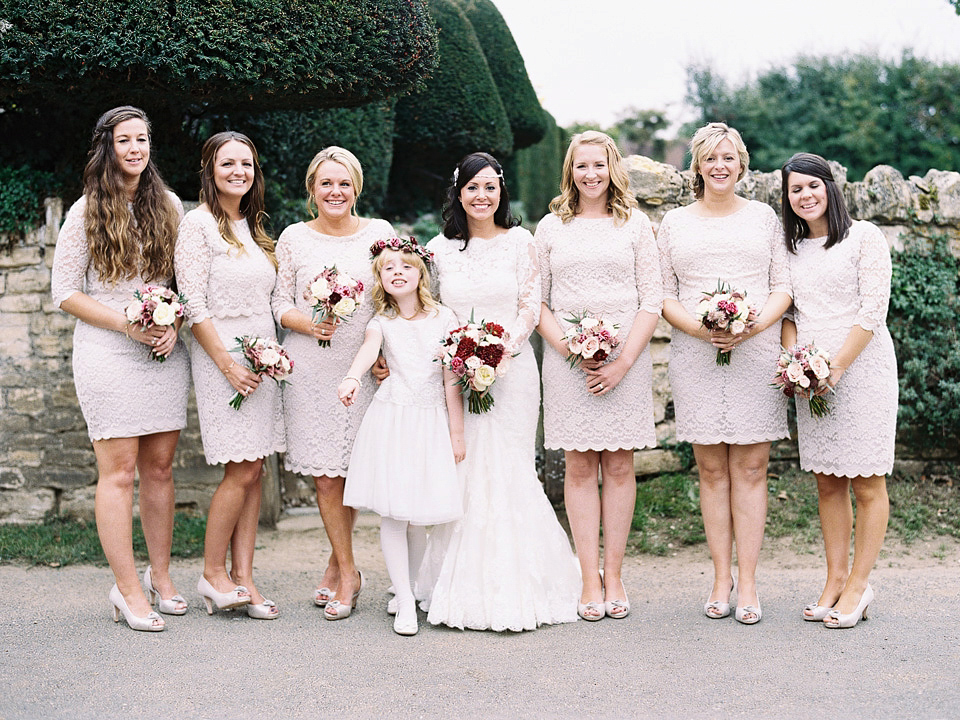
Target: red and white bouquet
{"x":724,"y":309}
{"x":803,"y":370}
{"x":266,"y":357}
{"x":333,"y":293}
{"x":155,"y":305}
{"x":476,"y":355}
{"x":590,"y":338}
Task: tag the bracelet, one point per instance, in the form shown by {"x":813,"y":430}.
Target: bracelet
{"x":230,"y":367}
{"x":352,"y":377}
{"x":126,"y":329}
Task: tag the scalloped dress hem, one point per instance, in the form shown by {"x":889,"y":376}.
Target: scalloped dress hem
{"x":314,"y":471}
{"x":125,"y":433}
{"x":253,"y":456}
{"x":773,"y":437}
{"x":642,"y":445}
{"x":845,"y":472}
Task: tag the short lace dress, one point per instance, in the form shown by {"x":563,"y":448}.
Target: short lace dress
{"x":833,"y":290}
{"x":122,"y":391}
{"x":735,"y":403}
{"x":610,"y":271}
{"x":320,"y":430}
{"x":232,"y":288}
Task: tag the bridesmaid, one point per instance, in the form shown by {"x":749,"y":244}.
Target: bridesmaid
{"x":320,"y":430}
{"x":840,"y":270}
{"x":117,"y":238}
{"x":227,"y":268}
{"x":598,"y":254}
{"x":730,"y":413}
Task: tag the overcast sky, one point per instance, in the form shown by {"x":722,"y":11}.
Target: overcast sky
{"x":589,"y":59}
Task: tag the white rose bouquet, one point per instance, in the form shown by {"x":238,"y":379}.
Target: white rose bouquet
{"x":333,"y":293}
{"x":803,"y":370}
{"x":590,"y":338}
{"x":265,"y":357}
{"x":155,"y":305}
{"x":724,"y":309}
{"x":475,"y":354}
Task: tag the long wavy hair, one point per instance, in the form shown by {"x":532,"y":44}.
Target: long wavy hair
{"x":124,"y":244}
{"x":704,"y":142}
{"x":345,"y":158}
{"x":795,"y":228}
{"x":454,"y":216}
{"x":251,"y":204}
{"x":383,"y":302}
{"x":620,"y":203}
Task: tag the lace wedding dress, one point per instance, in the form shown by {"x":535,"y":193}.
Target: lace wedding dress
{"x":507,"y":564}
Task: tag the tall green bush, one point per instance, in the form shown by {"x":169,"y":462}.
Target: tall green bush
{"x":22,"y":191}
{"x":535,"y":171}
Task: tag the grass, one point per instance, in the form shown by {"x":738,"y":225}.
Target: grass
{"x":667,"y":514}
{"x":59,"y":541}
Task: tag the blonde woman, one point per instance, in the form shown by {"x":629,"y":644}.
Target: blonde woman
{"x":729,"y":413}
{"x":598,"y":256}
{"x":117,"y":238}
{"x":226,"y":264}
{"x":320,"y":430}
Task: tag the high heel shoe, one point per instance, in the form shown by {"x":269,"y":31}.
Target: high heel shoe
{"x":815,"y":613}
{"x":267,"y":610}
{"x":223,"y":601}
{"x":718,"y":609}
{"x":835,"y":620}
{"x":167,"y":607}
{"x":618,"y":609}
{"x":322,"y":596}
{"x":754,"y":610}
{"x":146,"y":623}
{"x":336,"y":610}
{"x":591,"y":611}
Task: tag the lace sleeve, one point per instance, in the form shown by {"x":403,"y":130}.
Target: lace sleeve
{"x":284,"y":296}
{"x":647,"y":267}
{"x":542,"y":239}
{"x":192,"y":260}
{"x":434,"y":247}
{"x":873,"y":277}
{"x":671,"y":286}
{"x":779,"y":259}
{"x":71,"y":256}
{"x":529,"y":292}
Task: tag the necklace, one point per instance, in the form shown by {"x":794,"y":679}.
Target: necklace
{"x":416,"y":312}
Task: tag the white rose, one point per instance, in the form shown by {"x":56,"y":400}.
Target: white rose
{"x":820,"y":367}
{"x":345,"y":307}
{"x":269,"y":357}
{"x":284,"y":364}
{"x":589,"y":322}
{"x":473,"y":362}
{"x":133,"y":311}
{"x":164,"y":315}
{"x":320,"y":289}
{"x":590,"y":347}
{"x":176,"y":307}
{"x":737,"y":327}
{"x":473,"y":332}
{"x":575,"y":345}
{"x":795,"y":372}
{"x":484,"y":377}
{"x":704,"y":307}
{"x":804,"y":381}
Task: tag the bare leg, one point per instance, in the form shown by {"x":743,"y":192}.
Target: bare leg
{"x":712,"y":465}
{"x":748,"y":504}
{"x":617,"y":502}
{"x":873,"y":511}
{"x":836,"y":524}
{"x":244,"y":538}
{"x":155,"y":463}
{"x":581,"y":497}
{"x":239,"y":479}
{"x":338,"y":520}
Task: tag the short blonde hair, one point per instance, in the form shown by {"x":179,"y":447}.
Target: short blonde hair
{"x":705,"y":141}
{"x":619,"y":200}
{"x":337,"y":155}
{"x":383,"y":302}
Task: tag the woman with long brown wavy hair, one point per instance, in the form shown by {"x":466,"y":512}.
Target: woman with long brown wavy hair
{"x":227,"y":267}
{"x":117,"y":238}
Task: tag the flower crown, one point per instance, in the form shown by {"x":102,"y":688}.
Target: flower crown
{"x":408,"y":245}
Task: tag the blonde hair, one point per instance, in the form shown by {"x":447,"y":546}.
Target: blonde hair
{"x":337,"y":155}
{"x":384,"y":303}
{"x":705,"y":141}
{"x":620,"y":202}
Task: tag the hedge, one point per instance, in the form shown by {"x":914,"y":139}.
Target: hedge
{"x":535,"y":171}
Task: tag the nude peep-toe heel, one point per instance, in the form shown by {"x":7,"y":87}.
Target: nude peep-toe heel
{"x":835,"y":620}
{"x":147,"y":623}
{"x":168,"y":606}
{"x":336,"y":610}
{"x":223,"y":601}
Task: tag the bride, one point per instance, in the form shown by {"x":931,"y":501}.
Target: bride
{"x":507,"y":564}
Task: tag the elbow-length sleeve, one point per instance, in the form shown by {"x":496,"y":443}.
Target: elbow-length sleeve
{"x":647,"y":267}
{"x":779,"y":258}
{"x":285,"y":291}
{"x":71,"y":258}
{"x":542,"y":241}
{"x":874,"y":271}
{"x":191,"y":260}
{"x":529,"y":292}
{"x":668,"y":278}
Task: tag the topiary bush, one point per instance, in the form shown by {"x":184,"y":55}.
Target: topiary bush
{"x":22,"y":191}
{"x":534,"y":171}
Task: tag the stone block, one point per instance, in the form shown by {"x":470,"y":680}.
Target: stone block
{"x":26,"y":303}
{"x":29,"y":280}
{"x":23,"y":507}
{"x":662,"y":331}
{"x":11,"y":478}
{"x":660,"y":352}
{"x":63,"y":477}
{"x":21,"y":257}
{"x":60,"y":420}
{"x":667,"y":433}
{"x":13,"y":424}
{"x":21,"y":456}
{"x":63,"y":395}
{"x":14,"y":340}
{"x":78,"y":503}
{"x":26,"y":400}
{"x":69,"y":458}
{"x":75,"y":440}
{"x":655,"y":461}
{"x":47,"y":346}
{"x":3,"y":284}
{"x":894,"y":235}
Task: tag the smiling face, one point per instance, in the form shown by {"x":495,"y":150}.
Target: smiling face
{"x":808,"y":199}
{"x":591,"y":172}
{"x":399,"y":276}
{"x":131,"y":146}
{"x":720,"y":168}
{"x":233,"y":169}
{"x":480,"y":197}
{"x":333,"y":190}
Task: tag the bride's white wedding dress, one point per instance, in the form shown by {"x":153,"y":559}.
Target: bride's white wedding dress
{"x":507,"y":564}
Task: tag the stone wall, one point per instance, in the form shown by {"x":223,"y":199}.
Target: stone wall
{"x":46,"y":461}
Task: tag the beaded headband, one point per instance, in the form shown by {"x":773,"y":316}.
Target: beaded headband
{"x":408,"y":245}
{"x":456,"y":174}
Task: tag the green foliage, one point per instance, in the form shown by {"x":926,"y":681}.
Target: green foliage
{"x":861,"y":111}
{"x":533,"y":174}
{"x":924,"y":318}
{"x":638,"y":132}
{"x":527,"y":121}
{"x":22,"y":191}
{"x":667,"y":514}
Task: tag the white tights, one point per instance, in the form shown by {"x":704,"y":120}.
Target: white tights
{"x":403,"y":547}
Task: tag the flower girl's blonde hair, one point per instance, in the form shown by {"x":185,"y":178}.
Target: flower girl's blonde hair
{"x":383,"y":302}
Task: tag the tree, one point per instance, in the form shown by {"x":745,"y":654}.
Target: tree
{"x":637,"y":132}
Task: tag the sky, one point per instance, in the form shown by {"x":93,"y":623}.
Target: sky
{"x":590,"y":60}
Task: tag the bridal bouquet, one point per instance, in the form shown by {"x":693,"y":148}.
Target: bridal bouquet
{"x":803,"y":370}
{"x":266,"y":357}
{"x":333,"y":293}
{"x":725,"y":310}
{"x":476,"y":355}
{"x":590,"y":338}
{"x":155,"y":305}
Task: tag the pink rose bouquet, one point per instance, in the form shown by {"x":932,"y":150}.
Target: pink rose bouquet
{"x":155,"y":305}
{"x":590,"y":338}
{"x":724,"y":309}
{"x":333,"y":293}
{"x":803,"y":370}
{"x":475,"y":353}
{"x":265,"y":357}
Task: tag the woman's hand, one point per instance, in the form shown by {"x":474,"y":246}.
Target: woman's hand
{"x":162,"y":338}
{"x":726,"y":341}
{"x":325,"y":329}
{"x":832,"y":379}
{"x":241,"y":379}
{"x":604,"y":377}
{"x":380,"y":370}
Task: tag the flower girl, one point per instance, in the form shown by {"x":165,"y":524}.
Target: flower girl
{"x":403,"y":465}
